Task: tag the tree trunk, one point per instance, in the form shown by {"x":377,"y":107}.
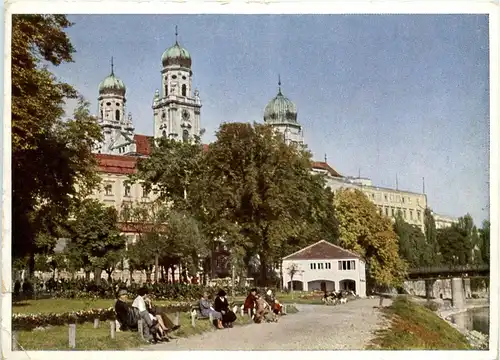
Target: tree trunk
{"x":97,"y":275}
{"x":31,"y":266}
{"x":157,"y":258}
{"x":87,"y":275}
{"x":131,"y":274}
{"x":281,"y":277}
{"x":148,"y":275}
{"x":163,"y":273}
{"x":263,"y":269}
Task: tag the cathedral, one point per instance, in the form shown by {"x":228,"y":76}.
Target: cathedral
{"x":176,"y":109}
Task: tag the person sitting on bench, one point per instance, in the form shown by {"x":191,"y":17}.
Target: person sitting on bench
{"x":222,"y":305}
{"x":249,"y":303}
{"x":154,"y":329}
{"x":164,"y":321}
{"x":206,"y":310}
{"x":276,"y":307}
{"x":126,"y":316}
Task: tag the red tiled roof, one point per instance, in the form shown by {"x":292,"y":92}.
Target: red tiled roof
{"x":324,"y":166}
{"x":322,"y":250}
{"x":116,"y":164}
{"x":143,"y":144}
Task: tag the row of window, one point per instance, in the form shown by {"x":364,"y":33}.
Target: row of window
{"x":407,"y":214}
{"x":108,"y":191}
{"x":321,"y":266}
{"x":391,"y":198}
{"x":342,"y":265}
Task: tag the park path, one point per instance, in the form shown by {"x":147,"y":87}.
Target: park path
{"x":316,"y":327}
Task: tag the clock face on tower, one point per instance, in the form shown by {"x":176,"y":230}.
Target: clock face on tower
{"x":185,"y":115}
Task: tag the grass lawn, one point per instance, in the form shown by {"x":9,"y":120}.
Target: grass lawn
{"x":88,"y":338}
{"x":415,"y":327}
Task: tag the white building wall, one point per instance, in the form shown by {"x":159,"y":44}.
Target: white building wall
{"x":311,"y":278}
{"x":388,"y":201}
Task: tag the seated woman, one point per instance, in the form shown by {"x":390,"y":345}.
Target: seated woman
{"x":126,"y":316}
{"x":206,"y":310}
{"x":162,"y":318}
{"x":249,"y":303}
{"x":222,"y":305}
{"x":276,"y":307}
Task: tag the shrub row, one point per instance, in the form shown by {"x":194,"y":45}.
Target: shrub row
{"x":79,"y":289}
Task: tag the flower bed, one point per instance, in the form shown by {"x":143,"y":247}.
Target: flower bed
{"x":32,"y":321}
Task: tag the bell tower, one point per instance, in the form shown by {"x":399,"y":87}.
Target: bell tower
{"x":176,"y":107}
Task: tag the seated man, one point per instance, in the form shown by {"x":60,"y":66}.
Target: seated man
{"x":250,"y":302}
{"x":126,"y":316}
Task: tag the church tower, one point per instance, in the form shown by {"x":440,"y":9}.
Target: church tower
{"x":117,"y":128}
{"x":281,"y":114}
{"x":176,"y":108}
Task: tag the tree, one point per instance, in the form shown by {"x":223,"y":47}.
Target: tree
{"x":484,"y":244}
{"x":363,"y":230}
{"x":172,"y":170}
{"x":93,"y":234}
{"x":413,"y":247}
{"x":431,"y":236}
{"x":148,"y":220}
{"x":51,"y":158}
{"x":458,"y":241}
{"x":254,"y":182}
{"x":293,"y":270}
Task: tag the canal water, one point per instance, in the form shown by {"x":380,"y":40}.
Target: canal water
{"x":473,"y":319}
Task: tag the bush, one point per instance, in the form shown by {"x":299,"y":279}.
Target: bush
{"x":81,"y":289}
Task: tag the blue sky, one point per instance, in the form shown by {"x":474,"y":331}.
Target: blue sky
{"x":383,"y":95}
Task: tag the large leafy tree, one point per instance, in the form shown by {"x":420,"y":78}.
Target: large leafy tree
{"x":93,"y":233}
{"x":413,"y":246}
{"x":51,"y":158}
{"x":363,"y":230}
{"x":431,"y":236}
{"x":257,"y":186}
{"x":458,"y":241}
{"x":484,"y":244}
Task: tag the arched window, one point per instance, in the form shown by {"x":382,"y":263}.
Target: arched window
{"x":166,"y":90}
{"x":184,"y":90}
{"x":164,"y":134}
{"x":117,"y":115}
{"x":102,"y":115}
{"x":185,"y":136}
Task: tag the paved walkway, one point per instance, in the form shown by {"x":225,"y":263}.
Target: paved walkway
{"x":316,"y":327}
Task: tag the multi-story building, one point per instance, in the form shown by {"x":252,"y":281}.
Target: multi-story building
{"x":388,"y":201}
{"x":443,"y":221}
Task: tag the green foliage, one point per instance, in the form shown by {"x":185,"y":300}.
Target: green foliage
{"x":457,"y":243}
{"x":93,"y":234}
{"x":260,"y":193}
{"x":363,"y":230}
{"x":413,"y":246}
{"x":431,"y":237}
{"x":51,"y":158}
{"x":484,"y":242}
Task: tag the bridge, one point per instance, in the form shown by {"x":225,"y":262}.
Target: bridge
{"x":458,"y":275}
{"x":440,"y":272}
